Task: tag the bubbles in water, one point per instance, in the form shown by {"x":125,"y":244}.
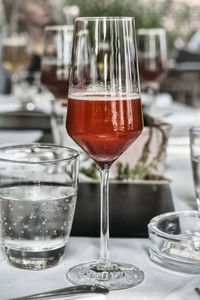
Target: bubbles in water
{"x":37,"y":223}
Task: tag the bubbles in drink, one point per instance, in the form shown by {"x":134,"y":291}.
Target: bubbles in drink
{"x":36,"y":217}
{"x":15,"y":56}
{"x":107,"y":124}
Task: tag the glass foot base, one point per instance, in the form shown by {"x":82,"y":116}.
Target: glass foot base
{"x":112,"y":275}
{"x":34,"y":260}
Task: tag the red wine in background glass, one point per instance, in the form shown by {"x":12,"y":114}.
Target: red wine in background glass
{"x":56,"y":80}
{"x":151,"y":70}
{"x":106,"y":125}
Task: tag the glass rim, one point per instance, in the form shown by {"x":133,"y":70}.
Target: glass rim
{"x":195,"y":129}
{"x":103,"y":18}
{"x":153,"y":224}
{"x":155,"y":30}
{"x":58,"y":27}
{"x":75,"y":153}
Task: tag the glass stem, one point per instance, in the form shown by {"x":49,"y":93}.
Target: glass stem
{"x":58,"y":119}
{"x":105,"y":253}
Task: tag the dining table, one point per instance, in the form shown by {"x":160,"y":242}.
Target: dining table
{"x":159,"y":283}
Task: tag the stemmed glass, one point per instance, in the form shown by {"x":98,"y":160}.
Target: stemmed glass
{"x":152,"y":57}
{"x":104,"y":118}
{"x":56,"y":62}
{"x":14,"y":53}
{"x":15,"y":58}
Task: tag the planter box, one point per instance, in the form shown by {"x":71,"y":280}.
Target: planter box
{"x":146,"y":156}
{"x":132,"y":205}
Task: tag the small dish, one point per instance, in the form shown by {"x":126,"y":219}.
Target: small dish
{"x":175,"y":241}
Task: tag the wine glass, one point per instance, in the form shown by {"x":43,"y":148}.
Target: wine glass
{"x":152,"y":58}
{"x":56,"y":62}
{"x":15,"y":57}
{"x":104,"y":118}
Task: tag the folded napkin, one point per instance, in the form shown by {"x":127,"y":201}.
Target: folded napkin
{"x":8,"y":137}
{"x":9,"y":103}
{"x":41,"y":101}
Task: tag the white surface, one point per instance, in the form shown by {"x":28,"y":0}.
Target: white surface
{"x":8,"y":137}
{"x":8,"y":103}
{"x":159,"y":284}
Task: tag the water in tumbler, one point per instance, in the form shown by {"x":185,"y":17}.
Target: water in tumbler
{"x":196,"y":176}
{"x":36,"y":218}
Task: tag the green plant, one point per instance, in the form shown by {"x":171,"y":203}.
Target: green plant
{"x":146,"y":15}
{"x":179,"y":19}
{"x":141,"y":169}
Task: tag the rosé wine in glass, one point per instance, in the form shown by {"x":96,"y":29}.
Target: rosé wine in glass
{"x":106,"y":126}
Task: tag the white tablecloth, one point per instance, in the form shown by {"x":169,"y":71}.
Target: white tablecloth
{"x":159,"y":283}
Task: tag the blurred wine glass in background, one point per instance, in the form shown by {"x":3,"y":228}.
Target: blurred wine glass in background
{"x":22,"y":46}
{"x":153,"y":63}
{"x":15,"y":54}
{"x":71,"y":12}
{"x":55,"y":66}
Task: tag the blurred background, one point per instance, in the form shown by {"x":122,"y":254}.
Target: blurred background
{"x":180,"y":19}
{"x":168,"y":46}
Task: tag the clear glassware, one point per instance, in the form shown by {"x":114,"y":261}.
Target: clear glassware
{"x":15,"y":58}
{"x":2,"y":254}
{"x":174,"y":241}
{"x":56,"y":62}
{"x":104,"y":118}
{"x":17,"y":55}
{"x":38,"y":190}
{"x":194,"y":134}
{"x":152,"y":57}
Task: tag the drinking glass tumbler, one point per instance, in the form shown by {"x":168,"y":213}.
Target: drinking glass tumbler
{"x":38,"y":191}
{"x":195,"y":159}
